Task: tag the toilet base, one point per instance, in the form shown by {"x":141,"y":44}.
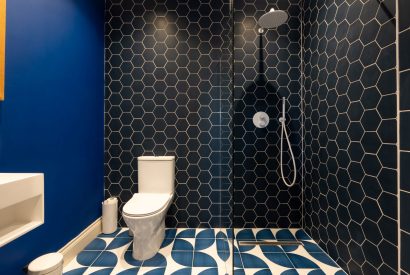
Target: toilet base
{"x":148,"y":235}
{"x":148,"y":232}
{"x":145,"y":246}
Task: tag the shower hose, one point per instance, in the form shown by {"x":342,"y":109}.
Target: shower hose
{"x":282,"y":121}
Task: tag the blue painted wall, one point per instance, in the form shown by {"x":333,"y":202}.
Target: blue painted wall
{"x":52,"y":118}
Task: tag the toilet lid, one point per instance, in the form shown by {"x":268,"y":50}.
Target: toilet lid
{"x":143,"y":204}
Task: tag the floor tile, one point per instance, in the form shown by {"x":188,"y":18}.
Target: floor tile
{"x":252,"y":261}
{"x":130,"y":271}
{"x":303,"y":259}
{"x":126,"y":266}
{"x":167,"y":242}
{"x":184,"y":244}
{"x":239,"y":271}
{"x":222,"y":233}
{"x":97,"y":244}
{"x":158,"y":260}
{"x":170,"y":233}
{"x":207,"y":271}
{"x":86,"y":258}
{"x":264,"y":234}
{"x":237,"y":261}
{"x":98,"y":271}
{"x":205,"y":233}
{"x":182,"y":258}
{"x":206,"y":251}
{"x":75,"y":271}
{"x":182,"y":271}
{"x":112,"y":235}
{"x":245,"y":235}
{"x":300,"y":234}
{"x":119,"y":242}
{"x":201,"y":244}
{"x":223,"y":245}
{"x":130,"y":260}
{"x":185,"y":233}
{"x":124,"y":234}
{"x":229,"y":232}
{"x":202,"y":259}
{"x":106,"y":259}
{"x":284,"y":234}
{"x":74,"y":268}
{"x":152,"y":270}
{"x":280,"y":259}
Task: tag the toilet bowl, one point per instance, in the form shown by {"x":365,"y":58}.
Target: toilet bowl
{"x":145,"y":212}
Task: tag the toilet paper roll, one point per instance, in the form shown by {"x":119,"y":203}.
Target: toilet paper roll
{"x":112,"y":200}
{"x":109,"y":215}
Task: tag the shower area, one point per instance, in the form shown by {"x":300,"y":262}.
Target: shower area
{"x":216,"y":84}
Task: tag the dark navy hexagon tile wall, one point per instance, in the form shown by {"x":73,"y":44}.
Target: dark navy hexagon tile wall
{"x":350,"y":119}
{"x":266,"y":68}
{"x":167,"y":93}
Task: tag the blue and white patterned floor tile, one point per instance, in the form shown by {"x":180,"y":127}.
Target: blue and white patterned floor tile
{"x":206,"y":252}
{"x":183,"y":252}
{"x":285,"y":260}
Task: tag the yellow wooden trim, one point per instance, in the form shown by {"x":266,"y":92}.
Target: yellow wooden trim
{"x":2,"y":46}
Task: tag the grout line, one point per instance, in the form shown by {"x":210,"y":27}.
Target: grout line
{"x":95,"y":259}
{"x":286,"y":254}
{"x":402,"y":31}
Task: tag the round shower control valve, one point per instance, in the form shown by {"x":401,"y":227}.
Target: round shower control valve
{"x":261,"y":120}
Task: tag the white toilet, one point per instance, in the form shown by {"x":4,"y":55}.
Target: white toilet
{"x":145,"y":212}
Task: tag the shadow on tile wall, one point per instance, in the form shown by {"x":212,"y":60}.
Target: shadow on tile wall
{"x":350,"y":119}
{"x":266,"y":68}
{"x":168,"y":93}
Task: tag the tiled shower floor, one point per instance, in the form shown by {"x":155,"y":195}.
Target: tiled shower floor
{"x":206,"y":252}
{"x":285,"y":260}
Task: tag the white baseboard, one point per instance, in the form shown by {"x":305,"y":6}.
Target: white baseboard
{"x":76,"y":245}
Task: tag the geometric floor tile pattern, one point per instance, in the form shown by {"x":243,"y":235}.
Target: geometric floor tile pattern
{"x":308,"y":258}
{"x":184,"y":251}
{"x":206,"y":251}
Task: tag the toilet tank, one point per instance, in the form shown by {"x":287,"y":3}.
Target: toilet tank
{"x":156,"y":174}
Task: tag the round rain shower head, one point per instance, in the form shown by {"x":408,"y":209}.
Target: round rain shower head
{"x":273,"y":19}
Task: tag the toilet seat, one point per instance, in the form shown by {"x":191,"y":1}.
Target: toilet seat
{"x":145,"y":204}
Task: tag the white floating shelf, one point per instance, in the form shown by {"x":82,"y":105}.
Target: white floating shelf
{"x":21,"y":204}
